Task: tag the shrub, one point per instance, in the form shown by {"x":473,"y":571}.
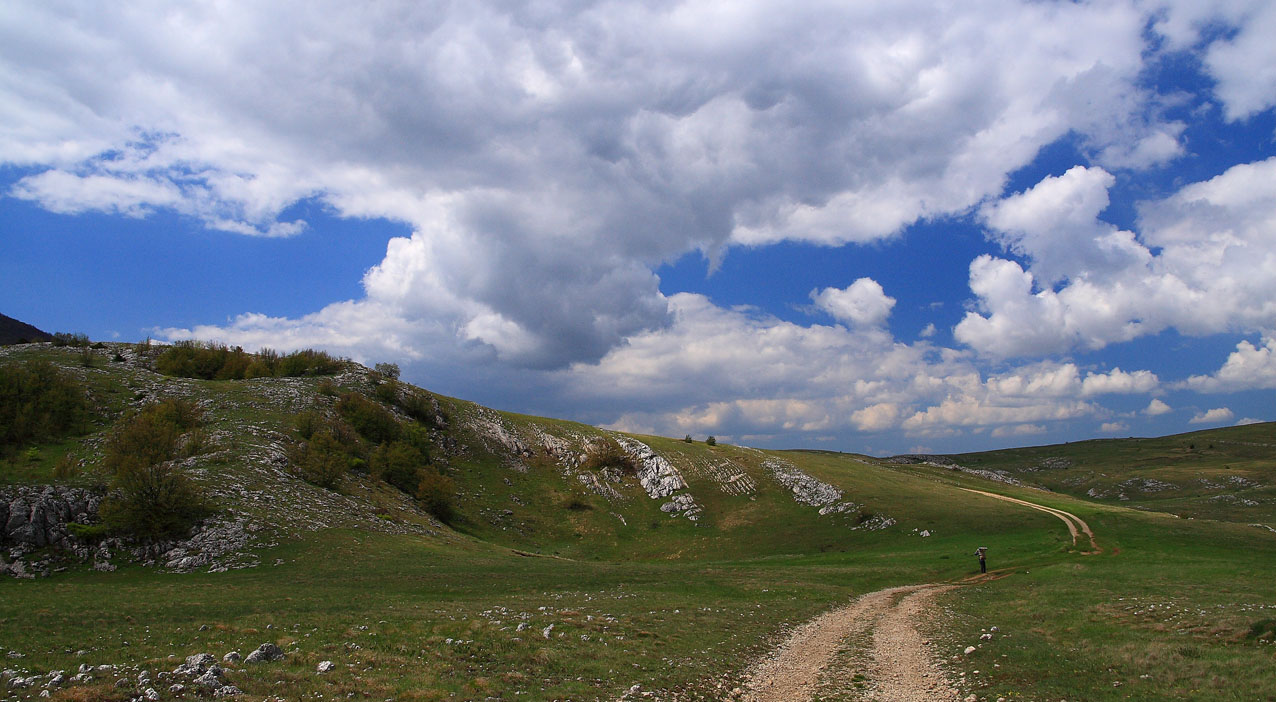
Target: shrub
{"x":153,"y":501}
{"x":38,"y":403}
{"x":327,"y":388}
{"x":307,"y":423}
{"x":307,"y":362}
{"x":213,"y":361}
{"x":419,"y":406}
{"x":711,"y":441}
{"x":687,"y":438}
{"x":435,"y":492}
{"x":66,"y":467}
{"x":86,"y":356}
{"x":399,"y":464}
{"x":387,"y":392}
{"x":373,"y":422}
{"x":150,"y":436}
{"x":151,"y":497}
{"x":75,"y":340}
{"x":608,"y":454}
{"x":322,"y":460}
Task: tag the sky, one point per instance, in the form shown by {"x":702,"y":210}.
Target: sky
{"x":879,"y":227}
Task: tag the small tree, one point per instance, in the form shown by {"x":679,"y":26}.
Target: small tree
{"x":711,"y":441}
{"x":687,"y":438}
{"x":389,"y":370}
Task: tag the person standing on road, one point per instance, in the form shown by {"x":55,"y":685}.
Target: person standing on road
{"x":982,"y":552}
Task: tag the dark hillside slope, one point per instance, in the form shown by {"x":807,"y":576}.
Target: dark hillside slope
{"x":13,"y":331}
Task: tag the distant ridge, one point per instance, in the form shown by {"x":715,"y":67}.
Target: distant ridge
{"x":13,"y":332}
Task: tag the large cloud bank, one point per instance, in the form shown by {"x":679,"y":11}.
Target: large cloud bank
{"x":549,"y":157}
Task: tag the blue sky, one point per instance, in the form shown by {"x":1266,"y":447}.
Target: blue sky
{"x":878,"y":228}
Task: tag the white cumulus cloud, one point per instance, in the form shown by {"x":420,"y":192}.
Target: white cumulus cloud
{"x":1089,"y":284}
{"x":1213,"y":416}
{"x":862,"y":303}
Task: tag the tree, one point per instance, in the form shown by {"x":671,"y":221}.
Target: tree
{"x":711,"y":441}
{"x":389,"y":370}
{"x":687,"y":438}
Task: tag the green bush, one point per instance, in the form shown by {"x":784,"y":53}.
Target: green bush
{"x":153,"y":501}
{"x":66,"y":339}
{"x":151,"y":498}
{"x":307,"y":423}
{"x":419,"y":406}
{"x":38,"y":402}
{"x":387,"y":392}
{"x":213,"y":361}
{"x":322,"y":460}
{"x":435,"y":492}
{"x":711,"y":441}
{"x":308,"y":362}
{"x":400,"y":464}
{"x":373,"y":422}
{"x":150,"y":436}
{"x":688,"y":439}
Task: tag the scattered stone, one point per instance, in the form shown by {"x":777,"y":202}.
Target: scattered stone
{"x":227,"y":691}
{"x":985,"y":637}
{"x":969,"y":650}
{"x":265,"y":653}
{"x":232,"y":657}
{"x":195,"y":664}
{"x":211,"y":677}
{"x":176,"y":689}
{"x":325,"y":667}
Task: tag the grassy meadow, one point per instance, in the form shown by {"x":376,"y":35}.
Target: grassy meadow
{"x":541,"y":587}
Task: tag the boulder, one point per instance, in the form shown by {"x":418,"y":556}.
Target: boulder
{"x":265,"y":653}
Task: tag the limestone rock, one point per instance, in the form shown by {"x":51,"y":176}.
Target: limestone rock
{"x":265,"y":653}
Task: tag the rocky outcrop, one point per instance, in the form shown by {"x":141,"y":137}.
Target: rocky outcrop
{"x":36,"y":517}
{"x":660,"y":479}
{"x":806,"y":489}
{"x":1000,"y":476}
{"x":657,"y":476}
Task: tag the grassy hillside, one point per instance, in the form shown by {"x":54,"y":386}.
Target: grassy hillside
{"x":558,"y":575}
{"x":1226,"y":473}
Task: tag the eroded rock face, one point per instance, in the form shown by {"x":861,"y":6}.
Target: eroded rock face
{"x":660,"y":479}
{"x":806,"y":489}
{"x":37,"y":516}
{"x":657,"y":476}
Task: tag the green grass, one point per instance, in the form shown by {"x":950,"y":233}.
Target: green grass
{"x":413,"y":594}
{"x":1163,"y":614}
{"x":637,"y":596}
{"x":1226,"y":473}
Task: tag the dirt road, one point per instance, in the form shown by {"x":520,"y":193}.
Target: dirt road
{"x":897,"y":665}
{"x":1076,"y":525}
{"x":893,"y":660}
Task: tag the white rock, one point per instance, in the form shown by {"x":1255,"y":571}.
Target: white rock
{"x":325,"y":667}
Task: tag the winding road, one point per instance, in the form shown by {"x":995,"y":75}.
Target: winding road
{"x":898,"y":665}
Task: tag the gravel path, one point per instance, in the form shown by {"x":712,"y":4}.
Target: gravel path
{"x":899,"y":667}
